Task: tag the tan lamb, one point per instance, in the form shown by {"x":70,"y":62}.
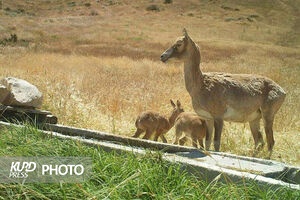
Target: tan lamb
{"x":193,"y":126}
{"x":154,"y":123}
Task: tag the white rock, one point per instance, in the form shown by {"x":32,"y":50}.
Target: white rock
{"x":3,"y":93}
{"x":18,"y":92}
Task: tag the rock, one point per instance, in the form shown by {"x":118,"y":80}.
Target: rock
{"x":3,"y":93}
{"x":18,"y":92}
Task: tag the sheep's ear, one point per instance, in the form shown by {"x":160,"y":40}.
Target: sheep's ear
{"x":178,"y":104}
{"x":172,"y":103}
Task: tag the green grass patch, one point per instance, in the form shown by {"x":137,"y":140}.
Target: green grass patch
{"x":118,"y":176}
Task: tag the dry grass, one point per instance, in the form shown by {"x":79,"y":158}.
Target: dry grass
{"x":100,"y":71}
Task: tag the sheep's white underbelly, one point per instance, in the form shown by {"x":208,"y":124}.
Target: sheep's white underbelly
{"x":238,"y":116}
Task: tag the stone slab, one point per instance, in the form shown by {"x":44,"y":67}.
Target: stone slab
{"x":24,"y":115}
{"x":267,"y":168}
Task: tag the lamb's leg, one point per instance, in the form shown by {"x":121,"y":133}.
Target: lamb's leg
{"x":182,"y":140}
{"x":160,"y":133}
{"x":156,"y":136}
{"x":138,"y":132}
{"x":202,"y":134}
{"x":200,"y":140}
{"x":178,"y":133}
{"x":218,"y":123}
{"x":208,"y":137}
{"x":176,"y":140}
{"x":162,"y":137}
{"x":148,"y":134}
{"x":194,"y":140}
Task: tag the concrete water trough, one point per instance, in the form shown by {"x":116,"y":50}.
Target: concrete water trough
{"x":211,"y":166}
{"x":25,"y":114}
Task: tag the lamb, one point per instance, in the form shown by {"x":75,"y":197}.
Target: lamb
{"x":152,"y":122}
{"x":193,"y":126}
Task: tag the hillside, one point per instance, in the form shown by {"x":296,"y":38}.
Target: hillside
{"x":116,"y":28}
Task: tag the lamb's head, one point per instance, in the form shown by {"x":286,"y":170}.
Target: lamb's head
{"x":178,"y":49}
{"x":177,"y":109}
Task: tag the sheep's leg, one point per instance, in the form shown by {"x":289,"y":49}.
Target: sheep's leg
{"x":208,"y":137}
{"x":268,"y":110}
{"x":257,"y":136}
{"x":218,"y":123}
{"x":268,"y":123}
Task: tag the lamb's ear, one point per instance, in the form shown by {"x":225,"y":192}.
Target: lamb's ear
{"x":178,"y":104}
{"x":172,"y":103}
{"x":185,"y":34}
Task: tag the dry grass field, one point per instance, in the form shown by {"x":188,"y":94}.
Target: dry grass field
{"x":97,"y":62}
